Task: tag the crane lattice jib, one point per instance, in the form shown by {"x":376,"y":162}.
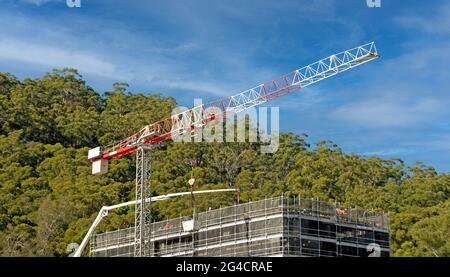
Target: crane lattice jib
{"x":196,"y":117}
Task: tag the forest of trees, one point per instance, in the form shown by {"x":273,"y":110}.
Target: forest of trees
{"x":48,"y":198}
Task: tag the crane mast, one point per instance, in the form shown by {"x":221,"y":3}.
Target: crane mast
{"x":195,"y":118}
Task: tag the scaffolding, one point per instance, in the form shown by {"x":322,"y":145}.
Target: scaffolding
{"x":280,"y":226}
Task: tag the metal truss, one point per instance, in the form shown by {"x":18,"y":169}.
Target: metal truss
{"x":196,"y":117}
{"x":142,"y":207}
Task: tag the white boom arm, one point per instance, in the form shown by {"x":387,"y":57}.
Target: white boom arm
{"x":105,"y":209}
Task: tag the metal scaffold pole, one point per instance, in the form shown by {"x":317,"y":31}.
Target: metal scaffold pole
{"x":142,"y":207}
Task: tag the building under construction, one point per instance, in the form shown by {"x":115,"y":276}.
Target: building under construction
{"x":280,"y":226}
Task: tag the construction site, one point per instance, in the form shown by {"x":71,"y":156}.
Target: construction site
{"x":274,"y":227}
{"x":201,"y":136}
{"x":280,"y":226}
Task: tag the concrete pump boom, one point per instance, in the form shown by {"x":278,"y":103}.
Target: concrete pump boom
{"x":105,"y":210}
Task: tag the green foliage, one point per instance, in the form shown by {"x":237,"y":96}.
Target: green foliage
{"x":49,"y":198}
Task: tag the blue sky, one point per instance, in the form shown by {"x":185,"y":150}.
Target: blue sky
{"x":396,"y":106}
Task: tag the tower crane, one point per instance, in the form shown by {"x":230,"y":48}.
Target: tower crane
{"x":195,"y":118}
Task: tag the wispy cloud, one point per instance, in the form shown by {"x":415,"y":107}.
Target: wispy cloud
{"x":191,"y":85}
{"x":440,"y":142}
{"x":23,"y":51}
{"x":411,"y":147}
{"x":390,"y":152}
{"x":192,"y":64}
{"x":39,"y":2}
{"x":421,"y":60}
{"x":406,"y":91}
{"x":303,"y":100}
{"x":437,"y":23}
{"x":387,"y":111}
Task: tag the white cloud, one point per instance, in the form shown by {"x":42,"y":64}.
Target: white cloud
{"x":438,"y":23}
{"x":39,"y":2}
{"x":441,"y":142}
{"x":200,"y":86}
{"x":24,"y":51}
{"x":303,"y":100}
{"x":410,"y":90}
{"x":192,"y":64}
{"x":419,"y":60}
{"x":387,"y":111}
{"x":390,"y":152}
